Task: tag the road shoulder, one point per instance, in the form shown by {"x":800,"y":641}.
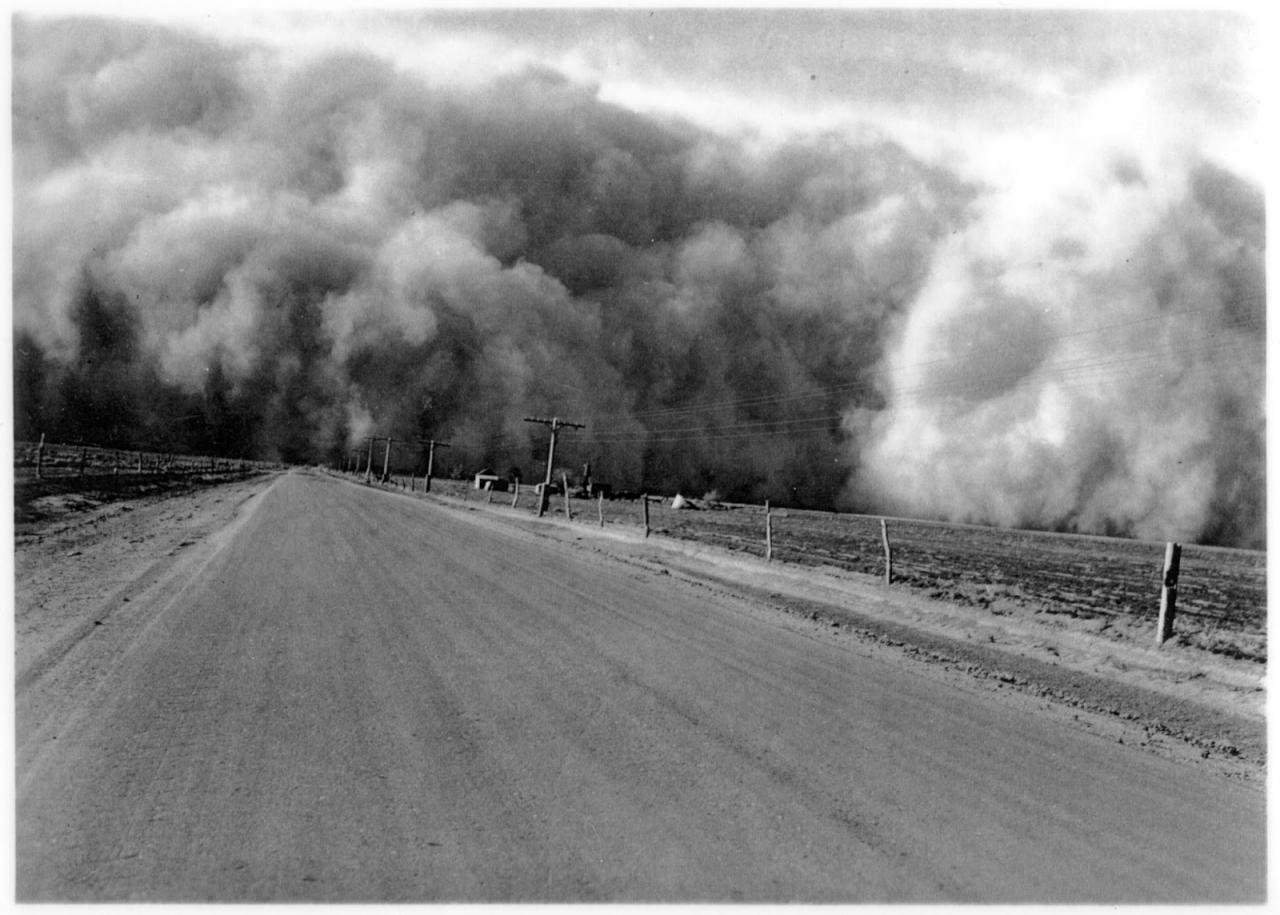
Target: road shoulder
{"x":1179,"y":702}
{"x":88,"y":582}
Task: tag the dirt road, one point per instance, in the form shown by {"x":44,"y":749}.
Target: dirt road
{"x":348,"y":695}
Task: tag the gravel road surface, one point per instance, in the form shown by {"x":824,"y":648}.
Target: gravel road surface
{"x":348,"y":695}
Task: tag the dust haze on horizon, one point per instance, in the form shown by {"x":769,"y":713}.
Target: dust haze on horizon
{"x":994,"y":267}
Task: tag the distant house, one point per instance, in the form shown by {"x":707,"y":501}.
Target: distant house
{"x":487,"y":480}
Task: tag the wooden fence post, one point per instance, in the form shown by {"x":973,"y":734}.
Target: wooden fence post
{"x":516,"y":498}
{"x":768,"y":532}
{"x":1168,"y":593}
{"x":888,"y":556}
{"x":645,"y":500}
{"x":488,"y":492}
{"x":600,"y":506}
{"x":40,"y":458}
{"x":564,"y":478}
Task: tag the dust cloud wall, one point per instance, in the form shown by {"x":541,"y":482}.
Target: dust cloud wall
{"x":223,"y":249}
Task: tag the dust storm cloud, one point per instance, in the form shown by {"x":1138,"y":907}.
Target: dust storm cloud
{"x":219,"y":247}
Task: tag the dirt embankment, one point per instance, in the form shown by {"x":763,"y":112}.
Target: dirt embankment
{"x":79,"y":557}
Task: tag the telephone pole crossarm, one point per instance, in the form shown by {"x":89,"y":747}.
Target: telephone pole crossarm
{"x":555,"y":422}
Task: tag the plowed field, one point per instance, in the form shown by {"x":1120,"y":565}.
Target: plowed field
{"x":1222,"y":593}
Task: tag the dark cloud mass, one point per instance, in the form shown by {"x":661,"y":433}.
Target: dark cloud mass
{"x":218,"y":251}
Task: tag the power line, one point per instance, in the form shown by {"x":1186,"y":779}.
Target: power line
{"x":848,"y":387}
{"x":1072,"y":374}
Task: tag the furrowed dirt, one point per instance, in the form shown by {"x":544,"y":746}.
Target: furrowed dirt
{"x":1222,"y":593}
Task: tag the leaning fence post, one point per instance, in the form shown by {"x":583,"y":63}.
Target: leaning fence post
{"x":888,"y":556}
{"x":564,"y":478}
{"x":1169,"y":592}
{"x":768,"y":532}
{"x":488,"y":492}
{"x":645,"y":500}
{"x":516,"y":498}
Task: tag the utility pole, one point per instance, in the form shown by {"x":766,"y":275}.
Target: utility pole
{"x":1169,"y":593}
{"x":368,"y":467}
{"x":386,"y":459}
{"x":431,"y":444}
{"x":556,"y":424}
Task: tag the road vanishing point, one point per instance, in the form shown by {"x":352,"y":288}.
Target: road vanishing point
{"x":355,"y":696}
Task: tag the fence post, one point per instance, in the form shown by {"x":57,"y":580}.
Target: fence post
{"x":1168,"y":593}
{"x":600,"y":506}
{"x":888,"y":556}
{"x":564,"y":479}
{"x":645,"y":500}
{"x":768,"y":532}
{"x":40,"y":458}
{"x":516,"y":498}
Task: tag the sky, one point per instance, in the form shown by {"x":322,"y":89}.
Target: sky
{"x":961,"y":84}
{"x":1000,"y":266}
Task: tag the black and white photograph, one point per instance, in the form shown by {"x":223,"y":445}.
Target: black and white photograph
{"x":621,"y":454}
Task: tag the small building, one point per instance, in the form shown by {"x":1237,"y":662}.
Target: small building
{"x":491,"y":481}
